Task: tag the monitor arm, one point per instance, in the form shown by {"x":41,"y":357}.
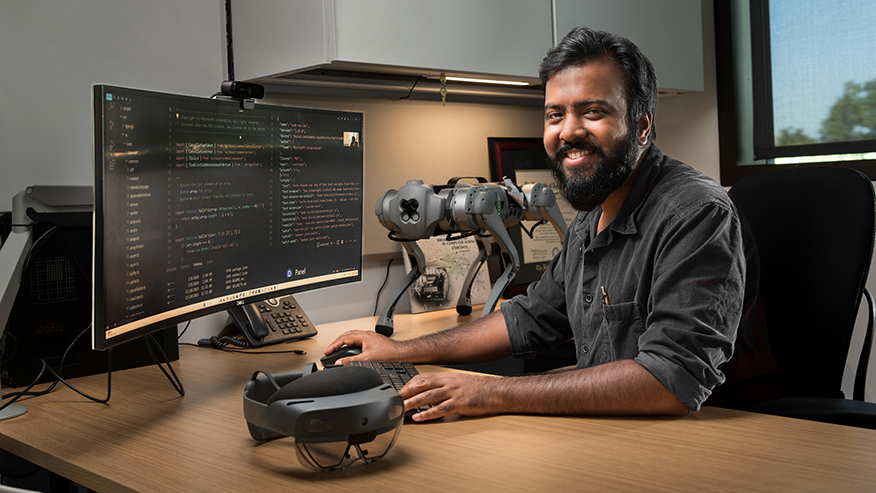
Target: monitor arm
{"x":69,"y":206}
{"x":418,"y":211}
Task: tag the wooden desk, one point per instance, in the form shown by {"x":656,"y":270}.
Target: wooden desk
{"x":150,"y":439}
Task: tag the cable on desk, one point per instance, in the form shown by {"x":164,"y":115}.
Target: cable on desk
{"x":60,"y":370}
{"x":45,"y":367}
{"x":174,"y":379}
{"x":17,"y":395}
{"x":34,"y":249}
{"x":222,"y":347}
{"x":109,"y":376}
{"x":222,"y":342}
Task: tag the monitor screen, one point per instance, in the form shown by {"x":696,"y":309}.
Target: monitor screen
{"x":201,"y":205}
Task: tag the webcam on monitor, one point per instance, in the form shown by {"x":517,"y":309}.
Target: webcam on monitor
{"x":242,"y":90}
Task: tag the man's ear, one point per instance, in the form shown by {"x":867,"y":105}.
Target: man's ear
{"x":645,"y":122}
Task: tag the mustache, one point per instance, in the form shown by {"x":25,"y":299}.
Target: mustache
{"x":579,"y":146}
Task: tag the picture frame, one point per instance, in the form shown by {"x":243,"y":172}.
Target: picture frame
{"x":516,"y":158}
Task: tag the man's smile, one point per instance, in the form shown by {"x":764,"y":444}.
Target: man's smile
{"x":576,"y":157}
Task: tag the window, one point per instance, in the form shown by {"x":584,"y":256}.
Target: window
{"x":796,"y":84}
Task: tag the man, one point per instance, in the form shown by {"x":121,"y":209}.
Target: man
{"x":650,"y":284}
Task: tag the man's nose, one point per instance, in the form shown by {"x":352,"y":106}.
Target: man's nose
{"x":573,"y":129}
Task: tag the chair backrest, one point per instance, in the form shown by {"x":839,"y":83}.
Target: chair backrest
{"x":814,"y":229}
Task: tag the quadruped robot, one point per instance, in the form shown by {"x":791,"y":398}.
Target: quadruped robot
{"x":418,"y":211}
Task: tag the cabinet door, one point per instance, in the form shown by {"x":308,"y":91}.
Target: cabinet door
{"x":669,"y":32}
{"x":508,"y":37}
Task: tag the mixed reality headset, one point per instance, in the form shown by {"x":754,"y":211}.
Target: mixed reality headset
{"x":330,"y":413}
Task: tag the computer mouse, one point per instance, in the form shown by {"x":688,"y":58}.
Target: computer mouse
{"x":342,"y":352}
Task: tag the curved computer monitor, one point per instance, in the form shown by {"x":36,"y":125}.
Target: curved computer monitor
{"x":201,"y":205}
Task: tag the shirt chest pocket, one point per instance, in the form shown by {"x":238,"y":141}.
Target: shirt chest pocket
{"x":615,"y":338}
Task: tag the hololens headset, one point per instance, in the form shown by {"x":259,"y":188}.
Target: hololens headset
{"x":328,"y":412}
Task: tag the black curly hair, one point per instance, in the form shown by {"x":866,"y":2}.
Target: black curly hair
{"x":583,"y":45}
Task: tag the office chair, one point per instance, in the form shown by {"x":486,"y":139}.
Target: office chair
{"x":814,"y":229}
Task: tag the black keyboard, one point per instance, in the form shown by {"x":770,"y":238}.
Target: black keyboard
{"x":395,"y":373}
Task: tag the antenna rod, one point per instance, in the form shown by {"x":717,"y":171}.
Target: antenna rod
{"x":229,"y":46}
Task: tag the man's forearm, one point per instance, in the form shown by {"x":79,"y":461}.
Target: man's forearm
{"x":617,"y":388}
{"x":484,"y":339}
{"x":620,"y":387}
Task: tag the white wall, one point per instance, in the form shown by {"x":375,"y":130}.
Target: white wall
{"x":52,"y":52}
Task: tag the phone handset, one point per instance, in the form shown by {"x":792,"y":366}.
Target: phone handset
{"x":272,"y":321}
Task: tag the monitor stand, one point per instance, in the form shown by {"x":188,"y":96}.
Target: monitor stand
{"x":11,"y":259}
{"x":12,"y":411}
{"x":36,"y":203}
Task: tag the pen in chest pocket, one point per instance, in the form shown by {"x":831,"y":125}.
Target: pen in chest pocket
{"x":605,"y":302}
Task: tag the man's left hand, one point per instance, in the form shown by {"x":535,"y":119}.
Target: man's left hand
{"x":448,"y":393}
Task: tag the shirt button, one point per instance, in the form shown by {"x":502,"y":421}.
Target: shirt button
{"x":588,"y":298}
{"x":585,"y":349}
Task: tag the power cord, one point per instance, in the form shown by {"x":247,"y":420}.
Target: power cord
{"x":35,"y":246}
{"x":222,"y":343}
{"x":184,"y":330}
{"x":172,"y":377}
{"x":412,"y":88}
{"x":45,"y":367}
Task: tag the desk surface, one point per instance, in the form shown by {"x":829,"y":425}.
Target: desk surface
{"x":150,"y":439}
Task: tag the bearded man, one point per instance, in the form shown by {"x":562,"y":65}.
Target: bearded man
{"x":656,"y":283}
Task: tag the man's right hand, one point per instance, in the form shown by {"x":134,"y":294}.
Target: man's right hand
{"x":375,"y":347}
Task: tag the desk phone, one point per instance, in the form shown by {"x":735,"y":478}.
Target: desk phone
{"x":272,"y":321}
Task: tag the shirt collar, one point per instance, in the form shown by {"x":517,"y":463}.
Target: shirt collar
{"x":646,"y":177}
{"x":624,"y":222}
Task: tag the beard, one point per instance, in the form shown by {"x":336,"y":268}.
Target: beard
{"x":611,"y":171}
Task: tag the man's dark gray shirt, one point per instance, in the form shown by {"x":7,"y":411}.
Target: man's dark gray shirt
{"x":673,"y":263}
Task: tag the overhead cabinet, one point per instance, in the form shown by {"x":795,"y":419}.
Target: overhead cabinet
{"x":498,"y":37}
{"x":669,"y":32}
{"x":285,"y":41}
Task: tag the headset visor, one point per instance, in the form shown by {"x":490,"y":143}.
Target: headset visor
{"x":331,"y":456}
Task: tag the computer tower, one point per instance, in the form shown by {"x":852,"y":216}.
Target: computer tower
{"x":53,"y":307}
